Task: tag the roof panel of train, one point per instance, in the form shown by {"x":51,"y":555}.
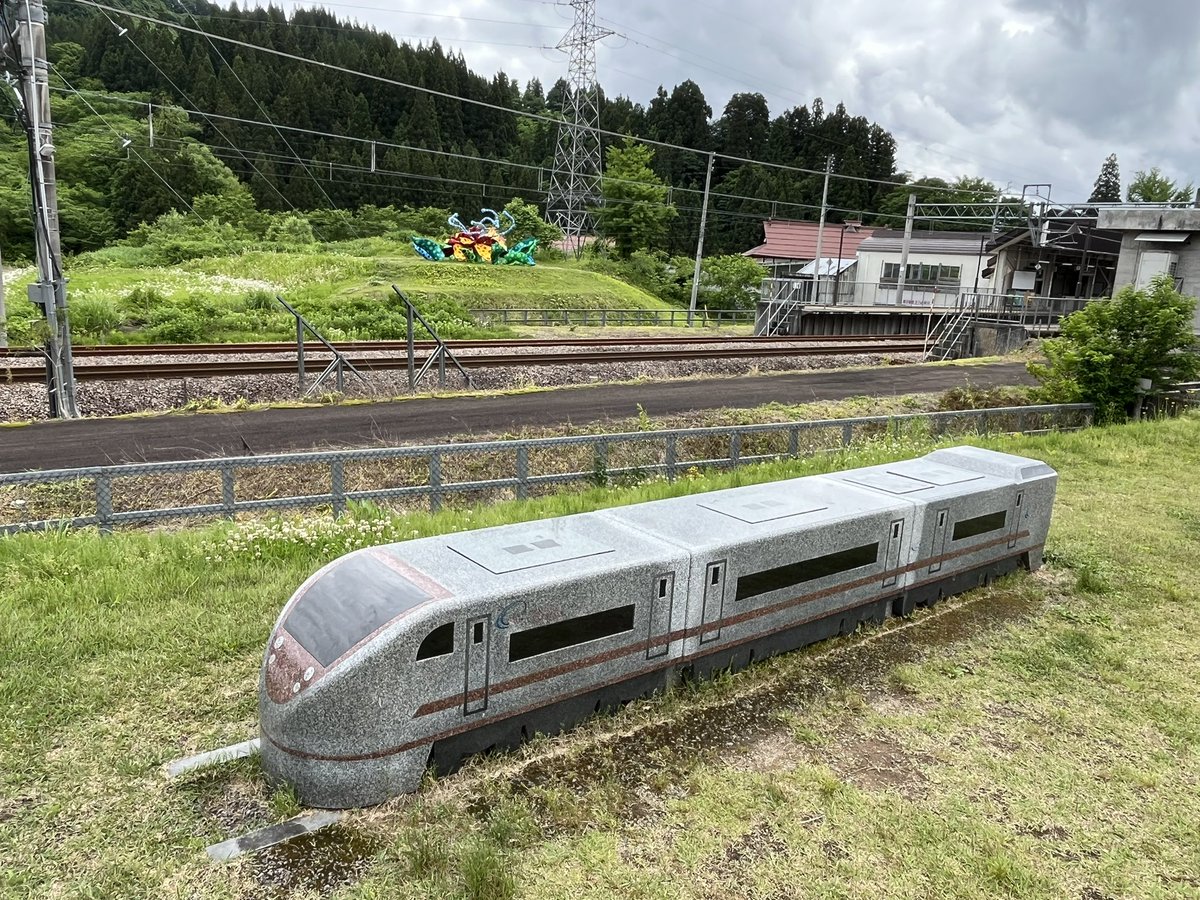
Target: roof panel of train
{"x":507,"y":557}
{"x":781,"y":507}
{"x":924,"y":479}
{"x":1011,"y":468}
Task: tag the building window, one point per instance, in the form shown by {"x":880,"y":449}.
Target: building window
{"x":569,"y":632}
{"x":810,"y":569}
{"x":438,"y":642}
{"x":966,"y":528}
{"x":922,"y":275}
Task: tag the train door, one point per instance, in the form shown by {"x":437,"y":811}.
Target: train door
{"x":938,"y":545}
{"x":475,"y":697}
{"x":892,"y":562}
{"x":1014,"y":520}
{"x":662,"y":595}
{"x":714,"y":600}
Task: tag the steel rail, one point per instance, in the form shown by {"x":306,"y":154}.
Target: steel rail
{"x":210,"y":369}
{"x":382,"y":346}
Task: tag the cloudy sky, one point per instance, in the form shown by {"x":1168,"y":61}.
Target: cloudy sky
{"x":1017,"y":91}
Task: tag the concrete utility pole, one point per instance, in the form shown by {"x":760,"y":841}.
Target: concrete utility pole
{"x":908,"y":224}
{"x":700,"y":241}
{"x":28,"y":40}
{"x":821,"y":231}
{"x":3,"y":312}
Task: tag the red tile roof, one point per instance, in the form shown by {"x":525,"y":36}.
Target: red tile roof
{"x":798,"y":240}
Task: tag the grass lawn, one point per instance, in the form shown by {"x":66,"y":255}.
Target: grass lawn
{"x":1038,"y":738}
{"x":346,"y":294}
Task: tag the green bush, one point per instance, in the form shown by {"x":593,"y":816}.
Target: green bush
{"x":1108,"y":345}
{"x":141,"y":303}
{"x":94,"y":318}
{"x":292,"y":231}
{"x":172,"y":325}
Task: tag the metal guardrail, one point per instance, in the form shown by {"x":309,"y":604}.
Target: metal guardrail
{"x":603,"y":318}
{"x":110,"y":496}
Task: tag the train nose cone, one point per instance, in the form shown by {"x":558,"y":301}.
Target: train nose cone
{"x":289,"y":668}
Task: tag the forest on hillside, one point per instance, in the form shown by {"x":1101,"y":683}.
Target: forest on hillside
{"x":118,"y":169}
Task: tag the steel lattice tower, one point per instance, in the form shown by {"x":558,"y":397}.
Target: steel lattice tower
{"x":574,"y":182}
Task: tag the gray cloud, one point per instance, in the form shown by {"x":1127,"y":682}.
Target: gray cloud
{"x":1013,"y":90}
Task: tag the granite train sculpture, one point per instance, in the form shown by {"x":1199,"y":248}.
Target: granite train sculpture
{"x":395,"y":657}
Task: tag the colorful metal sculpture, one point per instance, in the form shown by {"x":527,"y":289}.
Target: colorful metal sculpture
{"x":481,"y":241}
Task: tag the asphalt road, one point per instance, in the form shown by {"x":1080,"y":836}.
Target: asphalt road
{"x":88,"y":442}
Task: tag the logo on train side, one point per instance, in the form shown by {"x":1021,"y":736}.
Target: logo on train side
{"x":502,"y":616}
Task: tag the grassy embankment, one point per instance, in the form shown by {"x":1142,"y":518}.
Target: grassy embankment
{"x":346,"y":293}
{"x":1038,"y":738}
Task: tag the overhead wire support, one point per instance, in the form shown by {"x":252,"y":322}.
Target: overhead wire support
{"x":28,"y":39}
{"x":525,"y":114}
{"x":575,"y":179}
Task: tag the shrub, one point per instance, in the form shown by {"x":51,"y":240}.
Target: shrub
{"x":173,"y":325}
{"x":94,"y":318}
{"x":1108,"y":345}
{"x":293,"y":231}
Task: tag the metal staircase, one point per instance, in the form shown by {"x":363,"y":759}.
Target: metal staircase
{"x":949,"y":333}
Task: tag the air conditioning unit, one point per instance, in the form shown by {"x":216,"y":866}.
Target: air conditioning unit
{"x":1152,"y":263}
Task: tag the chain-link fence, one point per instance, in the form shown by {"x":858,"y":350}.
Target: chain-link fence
{"x":603,"y":318}
{"x":433,"y":476}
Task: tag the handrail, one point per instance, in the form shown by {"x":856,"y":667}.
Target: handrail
{"x":439,"y":355}
{"x":337,"y":365}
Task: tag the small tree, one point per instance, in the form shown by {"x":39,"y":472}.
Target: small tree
{"x":1155,"y":187}
{"x":530,"y":224}
{"x":1107,"y":188}
{"x":730,"y":282}
{"x":635,"y":213}
{"x":1109,"y":344}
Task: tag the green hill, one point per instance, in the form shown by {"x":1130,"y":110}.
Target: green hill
{"x":347,"y":296}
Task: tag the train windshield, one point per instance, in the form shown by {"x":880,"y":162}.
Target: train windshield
{"x":348,"y":603}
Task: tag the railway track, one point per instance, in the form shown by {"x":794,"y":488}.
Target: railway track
{"x":268,"y":347}
{"x":214,"y":368}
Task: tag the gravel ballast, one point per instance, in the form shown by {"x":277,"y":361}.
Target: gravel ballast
{"x":24,"y":402}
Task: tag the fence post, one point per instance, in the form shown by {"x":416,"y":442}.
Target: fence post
{"x":794,"y":441}
{"x":228,"y":499}
{"x":523,"y":472}
{"x":435,"y":481}
{"x":300,"y":354}
{"x":104,"y":509}
{"x":672,"y":458}
{"x":735,"y":448}
{"x":847,"y":434}
{"x":337,"y":487}
{"x":1021,"y":422}
{"x":600,"y":462}
{"x":603,"y":318}
{"x":984,"y":420}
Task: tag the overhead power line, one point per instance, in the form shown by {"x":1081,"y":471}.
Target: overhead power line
{"x":487,"y":105}
{"x":483,"y":160}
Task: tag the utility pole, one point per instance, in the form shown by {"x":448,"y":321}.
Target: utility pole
{"x":3,"y":313}
{"x":700,"y":241}
{"x":821,"y":231}
{"x":49,"y":293}
{"x":908,"y":225}
{"x":575,"y":179}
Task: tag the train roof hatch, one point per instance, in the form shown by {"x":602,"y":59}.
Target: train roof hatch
{"x":762,"y":506}
{"x":509,"y":552}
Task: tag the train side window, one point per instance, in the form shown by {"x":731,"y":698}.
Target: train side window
{"x":438,"y":642}
{"x":662,"y":587}
{"x":477,"y":637}
{"x":965,"y":528}
{"x":808,"y":570}
{"x":895,"y":529}
{"x":569,"y":632}
{"x":716,"y":574}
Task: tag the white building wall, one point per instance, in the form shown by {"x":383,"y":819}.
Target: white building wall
{"x":869,"y":272}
